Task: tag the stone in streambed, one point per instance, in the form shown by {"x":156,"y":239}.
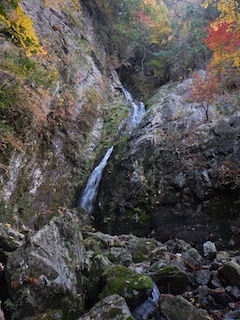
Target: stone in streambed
{"x":230,"y":271}
{"x":112,"y":307}
{"x":178,"y":308}
{"x":170,"y":278}
{"x":133,"y":286}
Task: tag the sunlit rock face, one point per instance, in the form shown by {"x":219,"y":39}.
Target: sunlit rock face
{"x":45,"y":273}
{"x":176,"y":175}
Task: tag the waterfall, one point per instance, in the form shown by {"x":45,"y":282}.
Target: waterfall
{"x":137,"y":112}
{"x":149,"y":307}
{"x":89,"y":194}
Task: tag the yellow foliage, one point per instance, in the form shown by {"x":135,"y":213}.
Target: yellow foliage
{"x":161,"y":24}
{"x":20,"y":26}
{"x":63,"y":4}
{"x":229,"y":10}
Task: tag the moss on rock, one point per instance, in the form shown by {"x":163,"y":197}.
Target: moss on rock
{"x":134,"y":287}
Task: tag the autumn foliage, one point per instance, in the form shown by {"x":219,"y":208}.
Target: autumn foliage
{"x":224,"y":41}
{"x":204,"y":90}
{"x":223,"y":37}
{"x":20,"y":28}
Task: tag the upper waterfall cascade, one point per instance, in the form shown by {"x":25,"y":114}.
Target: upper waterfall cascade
{"x":89,"y":194}
{"x":137,"y":112}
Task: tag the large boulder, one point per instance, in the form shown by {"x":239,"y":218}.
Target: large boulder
{"x":45,"y":273}
{"x":113,"y":307}
{"x":178,"y":308}
{"x":133,"y":286}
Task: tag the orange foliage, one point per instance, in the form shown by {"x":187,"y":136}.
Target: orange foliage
{"x":224,"y":36}
{"x":204,"y":90}
{"x":224,"y":40}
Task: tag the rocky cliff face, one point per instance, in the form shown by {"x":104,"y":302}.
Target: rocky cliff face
{"x":176,"y":175}
{"x":67,"y":117}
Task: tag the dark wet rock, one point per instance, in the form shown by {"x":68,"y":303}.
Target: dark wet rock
{"x":202,"y":276}
{"x":48,"y":315}
{"x":178,"y":308}
{"x":45,"y":273}
{"x":133,"y":286}
{"x":233,"y":315}
{"x":230,"y":271}
{"x":192,"y":258}
{"x":113,"y":307}
{"x":169,"y":278}
{"x":95,"y":264}
{"x":221,"y":297}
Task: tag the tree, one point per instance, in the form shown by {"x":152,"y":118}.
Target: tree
{"x":224,"y":41}
{"x":224,"y":37}
{"x":204,"y":90}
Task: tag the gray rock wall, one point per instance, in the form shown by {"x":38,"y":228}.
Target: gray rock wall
{"x":176,"y":175}
{"x":42,"y":174}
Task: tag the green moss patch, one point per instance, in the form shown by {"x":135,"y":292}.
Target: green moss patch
{"x":125,"y":282}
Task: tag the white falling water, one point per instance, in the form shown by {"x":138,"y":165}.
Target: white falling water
{"x":137,"y":112}
{"x":149,"y":307}
{"x":90,"y":192}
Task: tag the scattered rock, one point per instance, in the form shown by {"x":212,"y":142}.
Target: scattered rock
{"x":192,"y":258}
{"x":202,"y":276}
{"x":170,"y":279}
{"x":178,"y":308}
{"x":113,"y":307}
{"x":134,"y":287}
{"x":230,"y":271}
{"x":209,"y":247}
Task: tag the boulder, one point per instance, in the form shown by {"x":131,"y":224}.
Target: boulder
{"x":192,"y":258}
{"x":230,"y":271}
{"x":133,"y":286}
{"x":113,"y":307}
{"x":45,"y":273}
{"x":169,"y":278}
{"x":178,"y":308}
